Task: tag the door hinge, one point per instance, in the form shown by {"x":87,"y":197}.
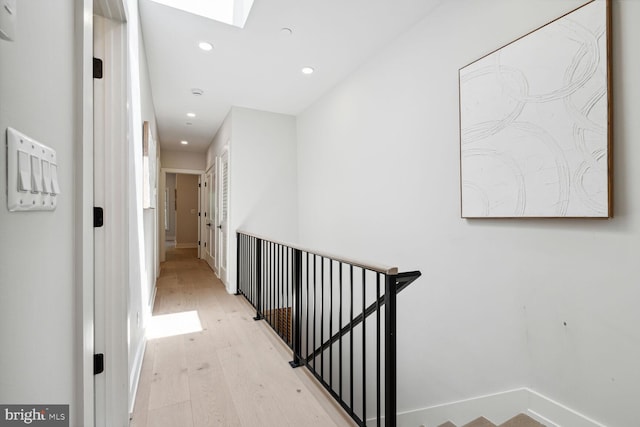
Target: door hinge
{"x":205,"y":184}
{"x":198,"y":242}
{"x":98,"y":217}
{"x":205,"y":244}
{"x":98,"y":363}
{"x":97,"y":68}
{"x":199,"y":214}
{"x":199,"y":185}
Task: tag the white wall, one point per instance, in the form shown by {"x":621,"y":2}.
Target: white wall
{"x":183,"y":160}
{"x":263,"y":176}
{"x":379,"y":179}
{"x":38,"y":316}
{"x":143,"y":223}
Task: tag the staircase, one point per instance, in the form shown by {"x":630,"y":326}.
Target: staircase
{"x":520,"y":420}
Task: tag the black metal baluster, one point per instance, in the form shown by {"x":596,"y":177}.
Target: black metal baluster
{"x":297,"y":308}
{"x":307,"y":316}
{"x":245,"y":287}
{"x":330,"y":324}
{"x":288,"y":311}
{"x":378,"y":375}
{"x":274,"y":309}
{"x":339,"y":328}
{"x":321,"y":317}
{"x":259,"y":308}
{"x":282,"y":283}
{"x":315,"y":308}
{"x":351,"y":338}
{"x":273,"y":283}
{"x":364,"y":346}
{"x":283,"y":304}
{"x":278,"y":290}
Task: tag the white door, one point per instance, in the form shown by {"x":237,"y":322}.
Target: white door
{"x":215,"y":216}
{"x":223,"y":220}
{"x":110,"y":243}
{"x":209,"y":224}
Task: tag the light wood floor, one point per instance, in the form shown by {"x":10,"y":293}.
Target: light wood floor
{"x":234,"y":372}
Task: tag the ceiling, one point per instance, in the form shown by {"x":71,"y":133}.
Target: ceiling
{"x":260,"y":67}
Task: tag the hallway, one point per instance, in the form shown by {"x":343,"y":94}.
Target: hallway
{"x":232,"y":372}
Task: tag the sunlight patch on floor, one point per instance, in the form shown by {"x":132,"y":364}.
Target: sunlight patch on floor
{"x":169,"y":325}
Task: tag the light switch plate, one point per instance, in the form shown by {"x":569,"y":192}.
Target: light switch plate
{"x":32,"y":198}
{"x":8,"y":19}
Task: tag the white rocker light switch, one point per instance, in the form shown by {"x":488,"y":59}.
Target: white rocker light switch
{"x":36,"y":175}
{"x":46,"y":177}
{"x":55,"y":186}
{"x":24,"y":172}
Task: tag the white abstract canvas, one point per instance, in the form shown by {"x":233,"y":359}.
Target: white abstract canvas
{"x":534,"y":123}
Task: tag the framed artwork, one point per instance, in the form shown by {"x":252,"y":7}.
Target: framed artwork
{"x":535,"y":123}
{"x":149,"y":167}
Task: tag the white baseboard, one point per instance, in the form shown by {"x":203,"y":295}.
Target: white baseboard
{"x":498,"y":408}
{"x":554,"y":414}
{"x":135,"y":374}
{"x":186,"y":245}
{"x":152,"y":300}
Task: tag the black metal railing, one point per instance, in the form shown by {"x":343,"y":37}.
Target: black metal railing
{"x":338,"y":316}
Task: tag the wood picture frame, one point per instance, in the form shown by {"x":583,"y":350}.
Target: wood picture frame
{"x":149,"y":168}
{"x":536,"y":123}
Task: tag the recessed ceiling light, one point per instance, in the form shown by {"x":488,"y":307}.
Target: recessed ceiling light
{"x":286,"y":31}
{"x":307,"y":70}
{"x":191,"y":114}
{"x":206,"y":46}
{"x":184,"y":142}
{"x":196,"y":91}
{"x":189,"y":123}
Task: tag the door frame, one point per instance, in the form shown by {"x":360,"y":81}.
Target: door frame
{"x":161,"y":196}
{"x":85,"y":407}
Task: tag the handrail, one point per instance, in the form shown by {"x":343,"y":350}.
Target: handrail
{"x":307,"y":296}
{"x":378,"y":268}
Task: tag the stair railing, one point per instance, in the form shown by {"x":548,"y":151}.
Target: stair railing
{"x":337,"y":315}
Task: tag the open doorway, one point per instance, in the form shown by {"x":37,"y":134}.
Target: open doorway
{"x":176,"y":219}
{"x":182,"y":216}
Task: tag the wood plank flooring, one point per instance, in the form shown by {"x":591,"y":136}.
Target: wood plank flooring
{"x":234,"y":372}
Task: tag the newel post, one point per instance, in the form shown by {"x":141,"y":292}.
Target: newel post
{"x":390,"y":376}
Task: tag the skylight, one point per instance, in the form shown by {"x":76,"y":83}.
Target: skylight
{"x":232,"y":12}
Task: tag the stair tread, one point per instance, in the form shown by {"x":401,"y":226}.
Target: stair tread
{"x":521,"y":420}
{"x":480,"y":422}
